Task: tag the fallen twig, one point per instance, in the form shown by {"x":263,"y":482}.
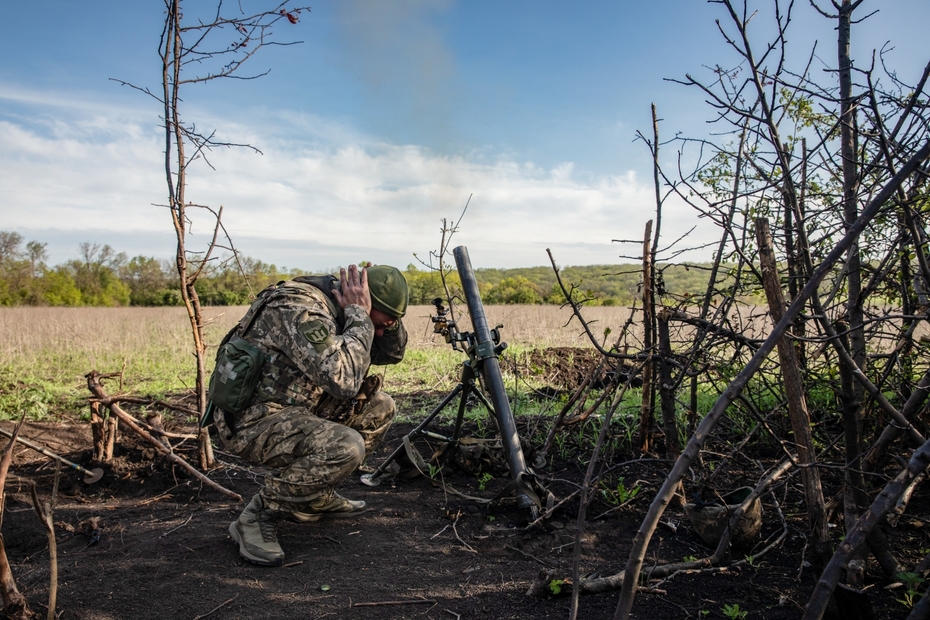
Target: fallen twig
{"x":217,"y":608}
{"x":157,"y":498}
{"x":467,"y":546}
{"x":178,"y":527}
{"x":550,"y":512}
{"x":618,"y":507}
{"x":691,"y":571}
{"x":382,"y":603}
{"x":524,"y":553}
{"x":109,"y":400}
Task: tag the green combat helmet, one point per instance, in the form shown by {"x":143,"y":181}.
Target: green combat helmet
{"x":388,"y":289}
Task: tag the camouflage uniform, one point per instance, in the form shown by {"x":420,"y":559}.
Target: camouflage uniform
{"x":304,"y":417}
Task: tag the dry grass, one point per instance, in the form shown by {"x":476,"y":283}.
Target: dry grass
{"x":98,"y":337}
{"x":45,"y":352}
{"x":60,"y":345}
{"x":526,"y":325}
{"x":57,"y":346}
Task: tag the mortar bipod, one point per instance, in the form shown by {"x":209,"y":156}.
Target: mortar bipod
{"x":466,"y":387}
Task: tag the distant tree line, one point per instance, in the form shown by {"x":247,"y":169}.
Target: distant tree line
{"x":104,"y":277}
{"x":101,"y":276}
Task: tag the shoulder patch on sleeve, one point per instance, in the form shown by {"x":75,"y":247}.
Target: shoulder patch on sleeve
{"x":315,"y":332}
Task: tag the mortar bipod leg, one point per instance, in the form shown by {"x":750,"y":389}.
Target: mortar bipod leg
{"x":374,"y":478}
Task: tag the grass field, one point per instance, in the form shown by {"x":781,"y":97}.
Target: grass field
{"x":45,"y":352}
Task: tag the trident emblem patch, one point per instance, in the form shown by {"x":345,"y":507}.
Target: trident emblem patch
{"x":315,"y":332}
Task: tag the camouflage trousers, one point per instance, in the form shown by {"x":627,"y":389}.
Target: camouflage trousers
{"x":312,"y":454}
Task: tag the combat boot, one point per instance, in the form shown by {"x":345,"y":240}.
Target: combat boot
{"x":256,"y":533}
{"x":330,"y":505}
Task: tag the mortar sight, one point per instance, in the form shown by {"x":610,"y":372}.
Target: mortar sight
{"x":441,"y":323}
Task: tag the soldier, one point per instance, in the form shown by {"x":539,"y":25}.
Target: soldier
{"x":314,"y":413}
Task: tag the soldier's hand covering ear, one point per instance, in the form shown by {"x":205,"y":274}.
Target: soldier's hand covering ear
{"x":353,"y":289}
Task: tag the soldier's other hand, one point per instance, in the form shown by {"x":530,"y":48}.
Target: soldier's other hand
{"x":353,"y":288}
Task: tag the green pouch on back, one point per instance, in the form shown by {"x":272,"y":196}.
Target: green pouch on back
{"x":236,"y":374}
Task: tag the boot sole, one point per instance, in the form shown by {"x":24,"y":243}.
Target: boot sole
{"x":304,"y":517}
{"x":254,"y":559}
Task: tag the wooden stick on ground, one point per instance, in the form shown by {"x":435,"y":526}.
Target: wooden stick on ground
{"x":381,"y":603}
{"x":217,"y":608}
{"x":133,"y":400}
{"x":93,"y":384}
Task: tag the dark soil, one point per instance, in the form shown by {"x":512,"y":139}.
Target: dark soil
{"x":147,"y":541}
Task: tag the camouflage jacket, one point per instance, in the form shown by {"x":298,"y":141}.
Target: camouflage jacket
{"x":314,"y":348}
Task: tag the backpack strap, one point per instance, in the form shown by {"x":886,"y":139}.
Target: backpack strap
{"x":254,"y":310}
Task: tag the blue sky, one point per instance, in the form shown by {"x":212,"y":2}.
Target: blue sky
{"x":380,"y":124}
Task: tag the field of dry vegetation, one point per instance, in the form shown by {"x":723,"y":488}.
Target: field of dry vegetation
{"x":51,"y":349}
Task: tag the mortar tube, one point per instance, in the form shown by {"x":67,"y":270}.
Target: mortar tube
{"x":491,"y":371}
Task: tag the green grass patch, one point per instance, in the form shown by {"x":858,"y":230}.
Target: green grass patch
{"x":46,"y":352}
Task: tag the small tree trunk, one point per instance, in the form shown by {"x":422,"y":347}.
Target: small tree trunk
{"x":97,"y":431}
{"x":46,"y":515}
{"x":852,"y":396}
{"x":15,"y":605}
{"x":111,"y":434}
{"x":667,"y":389}
{"x":797,"y":403}
{"x":172,"y":52}
{"x":646,"y":414}
{"x":649,"y":300}
{"x":669,"y":403}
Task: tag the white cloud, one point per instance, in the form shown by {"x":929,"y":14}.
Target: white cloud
{"x":311,"y":193}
